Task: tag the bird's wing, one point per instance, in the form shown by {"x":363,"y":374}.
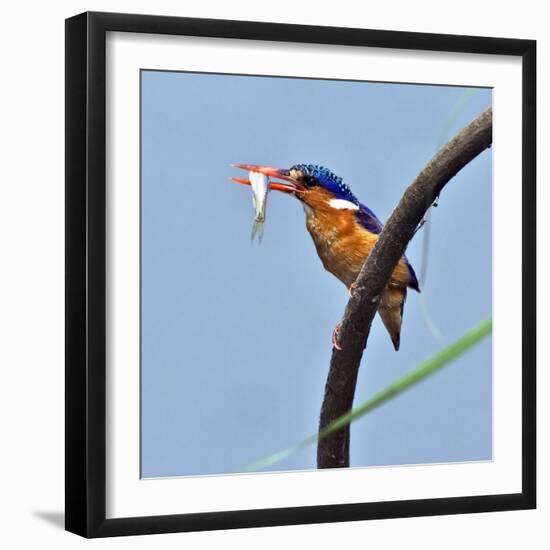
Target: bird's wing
{"x":368,"y":219}
{"x":413,"y":281}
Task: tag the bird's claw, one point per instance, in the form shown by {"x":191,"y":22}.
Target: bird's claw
{"x":351,"y":289}
{"x":335,"y":332}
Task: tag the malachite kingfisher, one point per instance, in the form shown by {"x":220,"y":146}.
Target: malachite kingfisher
{"x":344,"y":232}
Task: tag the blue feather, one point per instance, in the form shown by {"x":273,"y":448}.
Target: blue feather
{"x":327,"y":179}
{"x":367,"y":218}
{"x":413,"y":281}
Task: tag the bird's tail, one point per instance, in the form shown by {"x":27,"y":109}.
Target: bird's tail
{"x":391,"y":311}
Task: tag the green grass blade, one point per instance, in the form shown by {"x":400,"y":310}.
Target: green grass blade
{"x":428,"y":367}
{"x":454,"y":113}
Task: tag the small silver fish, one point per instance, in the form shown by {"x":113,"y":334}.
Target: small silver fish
{"x":260,"y":189}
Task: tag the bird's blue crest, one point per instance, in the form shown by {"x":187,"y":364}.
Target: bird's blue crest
{"x":330,"y":181}
{"x":327,"y":179}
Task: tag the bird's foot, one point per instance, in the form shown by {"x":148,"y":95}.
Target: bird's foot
{"x":335,"y":332}
{"x":351,"y":289}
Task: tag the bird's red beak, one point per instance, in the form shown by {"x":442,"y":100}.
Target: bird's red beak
{"x":289,"y":185}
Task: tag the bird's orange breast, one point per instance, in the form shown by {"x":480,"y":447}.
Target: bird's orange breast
{"x":342,"y":243}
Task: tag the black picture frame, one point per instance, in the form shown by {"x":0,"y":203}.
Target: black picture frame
{"x":86,"y":274}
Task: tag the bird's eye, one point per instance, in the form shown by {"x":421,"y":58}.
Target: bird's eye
{"x":309,"y":181}
{"x":303,"y":177}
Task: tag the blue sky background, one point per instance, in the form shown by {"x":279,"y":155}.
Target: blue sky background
{"x":236,"y":337}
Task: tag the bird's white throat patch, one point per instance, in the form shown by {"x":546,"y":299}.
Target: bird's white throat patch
{"x":342,"y":204}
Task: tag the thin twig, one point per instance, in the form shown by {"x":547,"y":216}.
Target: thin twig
{"x":333,"y":450}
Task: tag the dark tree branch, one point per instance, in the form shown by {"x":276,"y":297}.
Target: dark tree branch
{"x":333,"y":450}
